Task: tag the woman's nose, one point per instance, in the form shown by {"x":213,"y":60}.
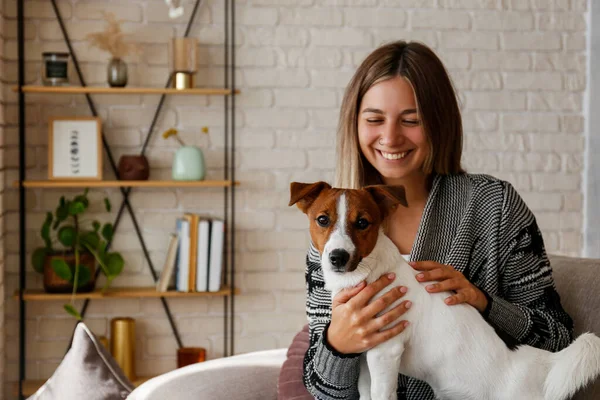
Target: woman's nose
{"x":391,"y":136}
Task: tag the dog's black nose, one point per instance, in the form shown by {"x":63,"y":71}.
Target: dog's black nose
{"x":339,"y":258}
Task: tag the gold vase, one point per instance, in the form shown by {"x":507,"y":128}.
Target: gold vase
{"x":122,"y":344}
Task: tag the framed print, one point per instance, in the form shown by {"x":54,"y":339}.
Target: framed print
{"x":74,"y":148}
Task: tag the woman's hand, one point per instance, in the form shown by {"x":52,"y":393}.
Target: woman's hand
{"x":450,"y":279}
{"x":355,"y":324}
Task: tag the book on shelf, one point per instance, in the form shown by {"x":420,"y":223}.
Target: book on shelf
{"x":199,"y":264}
{"x":183,"y":256}
{"x":169,"y":266}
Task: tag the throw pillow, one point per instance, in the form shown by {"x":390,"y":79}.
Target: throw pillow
{"x":290,"y":384}
{"x":88,"y":371}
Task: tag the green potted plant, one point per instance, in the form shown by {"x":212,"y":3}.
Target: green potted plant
{"x":71,"y":267}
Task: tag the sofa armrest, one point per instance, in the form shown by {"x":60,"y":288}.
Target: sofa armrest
{"x":245,"y":376}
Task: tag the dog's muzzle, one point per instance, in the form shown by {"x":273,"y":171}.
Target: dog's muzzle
{"x":338,"y":259}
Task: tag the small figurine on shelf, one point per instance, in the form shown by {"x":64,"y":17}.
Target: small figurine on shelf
{"x":83,"y":245}
{"x":112,"y":40}
{"x":188,"y":164}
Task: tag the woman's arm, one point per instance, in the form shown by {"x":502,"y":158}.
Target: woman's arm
{"x":327,"y":373}
{"x":528,"y":308}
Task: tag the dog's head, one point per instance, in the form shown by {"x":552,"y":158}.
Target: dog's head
{"x":344,"y":223}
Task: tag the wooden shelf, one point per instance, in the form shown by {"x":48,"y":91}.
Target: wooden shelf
{"x":110,"y":184}
{"x":113,"y":293}
{"x":30,"y":386}
{"x":125,"y":90}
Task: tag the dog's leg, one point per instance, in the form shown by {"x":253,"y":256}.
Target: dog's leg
{"x":384,"y":367}
{"x":364,"y":379}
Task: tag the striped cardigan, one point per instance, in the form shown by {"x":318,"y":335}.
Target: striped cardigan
{"x":480,"y":226}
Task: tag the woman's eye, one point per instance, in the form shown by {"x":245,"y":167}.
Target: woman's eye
{"x":323,"y":221}
{"x":362,"y":224}
{"x":411,"y":122}
{"x":374,"y":121}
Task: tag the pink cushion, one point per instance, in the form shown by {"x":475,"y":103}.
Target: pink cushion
{"x":290,"y":385}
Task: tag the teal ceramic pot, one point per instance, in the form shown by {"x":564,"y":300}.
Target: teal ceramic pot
{"x":188,"y":164}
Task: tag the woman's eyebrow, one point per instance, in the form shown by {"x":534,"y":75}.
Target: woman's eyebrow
{"x":373,"y":110}
{"x":378,"y":111}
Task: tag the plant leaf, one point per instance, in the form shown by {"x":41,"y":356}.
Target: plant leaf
{"x":83,"y":199}
{"x":107,"y":232}
{"x":96,"y":226}
{"x":114,"y":263}
{"x":62,"y":269}
{"x":107,"y":204}
{"x":37,"y":259}
{"x":76,"y":207}
{"x":66,"y":235}
{"x":85,"y":275}
{"x":71,"y":310}
{"x":90,"y":238}
{"x":62,"y":212}
{"x":46,"y":230}
{"x":102,"y":249}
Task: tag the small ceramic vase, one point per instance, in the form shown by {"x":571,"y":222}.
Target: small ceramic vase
{"x":117,"y":73}
{"x":133,"y":168}
{"x":188,"y":164}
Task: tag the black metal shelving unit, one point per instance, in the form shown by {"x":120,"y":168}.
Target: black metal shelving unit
{"x":229,"y":175}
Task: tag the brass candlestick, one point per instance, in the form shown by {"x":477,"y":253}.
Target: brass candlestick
{"x":122,"y":344}
{"x":183,"y":61}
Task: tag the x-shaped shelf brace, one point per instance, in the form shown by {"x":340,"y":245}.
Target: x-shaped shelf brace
{"x":126,"y":191}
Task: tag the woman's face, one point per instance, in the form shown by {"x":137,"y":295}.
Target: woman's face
{"x":390,"y":134}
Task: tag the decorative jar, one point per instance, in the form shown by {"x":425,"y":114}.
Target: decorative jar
{"x":188,"y":164}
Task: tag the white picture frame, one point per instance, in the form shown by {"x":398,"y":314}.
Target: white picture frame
{"x":74,"y":148}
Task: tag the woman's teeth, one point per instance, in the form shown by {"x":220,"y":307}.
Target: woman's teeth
{"x":394,"y":156}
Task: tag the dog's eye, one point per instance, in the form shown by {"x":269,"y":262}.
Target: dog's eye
{"x":323,"y":221}
{"x":362,"y":224}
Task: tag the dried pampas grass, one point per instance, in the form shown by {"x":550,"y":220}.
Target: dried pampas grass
{"x":112,"y":39}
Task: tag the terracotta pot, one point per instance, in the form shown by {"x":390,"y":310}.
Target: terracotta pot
{"x":55,"y":284}
{"x":133,"y":168}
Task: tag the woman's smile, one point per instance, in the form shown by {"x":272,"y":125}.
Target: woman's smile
{"x":396,"y":156}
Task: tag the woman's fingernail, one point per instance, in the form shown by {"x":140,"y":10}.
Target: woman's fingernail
{"x":430,"y":287}
{"x":412,"y":263}
{"x":448,"y":300}
{"x":403,"y":289}
{"x":406,"y":323}
{"x":391,"y":276}
{"x":359,"y":284}
{"x":420,"y":276}
{"x":407,"y":305}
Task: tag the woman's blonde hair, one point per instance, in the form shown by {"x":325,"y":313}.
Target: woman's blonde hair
{"x":437,"y":106}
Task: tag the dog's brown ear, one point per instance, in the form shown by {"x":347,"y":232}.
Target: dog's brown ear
{"x":387,"y":196}
{"x":304,"y":194}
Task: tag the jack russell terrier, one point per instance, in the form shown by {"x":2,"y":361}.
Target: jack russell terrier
{"x":472,"y":362}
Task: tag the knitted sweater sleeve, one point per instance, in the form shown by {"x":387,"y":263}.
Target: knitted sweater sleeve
{"x":328,"y":375}
{"x":528,"y":308}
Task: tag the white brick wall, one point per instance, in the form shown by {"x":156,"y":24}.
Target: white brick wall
{"x":519,"y":67}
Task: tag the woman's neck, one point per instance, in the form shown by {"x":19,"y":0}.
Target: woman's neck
{"x":416,"y":187}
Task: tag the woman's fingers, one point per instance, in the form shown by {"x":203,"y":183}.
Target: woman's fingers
{"x":365,"y":295}
{"x":377,"y":306}
{"x":391,"y":316}
{"x":346,"y":294}
{"x":447,"y":285}
{"x":382,"y":336}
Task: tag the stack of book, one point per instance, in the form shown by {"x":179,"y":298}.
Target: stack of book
{"x":195,"y":255}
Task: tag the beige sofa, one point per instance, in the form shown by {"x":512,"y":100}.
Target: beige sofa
{"x":254,"y":375}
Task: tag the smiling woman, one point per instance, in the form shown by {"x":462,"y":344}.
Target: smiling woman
{"x":471,"y":236}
